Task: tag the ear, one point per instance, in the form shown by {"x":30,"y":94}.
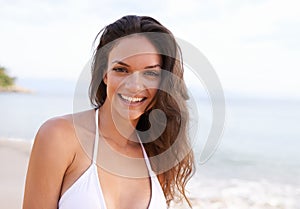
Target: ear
{"x":105,"y":79}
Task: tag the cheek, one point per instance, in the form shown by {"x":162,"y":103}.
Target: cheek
{"x":113,"y":83}
{"x":153,"y":92}
{"x":156,"y":88}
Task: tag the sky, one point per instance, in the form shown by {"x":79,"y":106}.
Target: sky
{"x":253,"y":45}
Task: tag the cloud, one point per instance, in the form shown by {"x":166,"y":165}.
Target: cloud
{"x":253,"y":45}
{"x":53,"y":38}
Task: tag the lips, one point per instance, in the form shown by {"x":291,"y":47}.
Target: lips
{"x":131,"y":100}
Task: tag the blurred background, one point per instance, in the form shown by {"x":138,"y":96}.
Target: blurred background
{"x":253,"y":47}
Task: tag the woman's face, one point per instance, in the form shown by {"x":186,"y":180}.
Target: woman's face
{"x":133,"y":76}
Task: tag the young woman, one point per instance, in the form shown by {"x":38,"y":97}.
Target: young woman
{"x":124,"y":153}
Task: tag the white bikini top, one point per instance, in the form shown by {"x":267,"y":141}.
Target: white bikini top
{"x":86,"y":192}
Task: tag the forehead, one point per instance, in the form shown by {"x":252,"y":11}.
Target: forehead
{"x":132,"y":46}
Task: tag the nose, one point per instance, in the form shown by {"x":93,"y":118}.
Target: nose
{"x":134,"y":82}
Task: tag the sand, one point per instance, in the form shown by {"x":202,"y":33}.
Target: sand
{"x":204,"y":193}
{"x":14,"y":156}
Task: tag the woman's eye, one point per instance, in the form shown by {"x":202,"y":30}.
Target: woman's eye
{"x":152,"y":73}
{"x":120,"y":69}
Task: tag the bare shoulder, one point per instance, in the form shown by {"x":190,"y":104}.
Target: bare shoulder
{"x":56,"y":132}
{"x":56,"y":129}
{"x":65,"y":133}
{"x":53,"y":151}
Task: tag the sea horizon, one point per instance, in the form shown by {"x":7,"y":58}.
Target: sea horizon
{"x":257,"y":158}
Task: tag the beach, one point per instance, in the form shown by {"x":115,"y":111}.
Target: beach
{"x":204,"y":192}
{"x":256,"y":165}
{"x":14,"y":155}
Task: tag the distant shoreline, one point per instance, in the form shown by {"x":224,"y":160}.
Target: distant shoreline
{"x":15,"y":89}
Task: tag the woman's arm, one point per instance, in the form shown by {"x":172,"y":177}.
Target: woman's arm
{"x":52,"y":153}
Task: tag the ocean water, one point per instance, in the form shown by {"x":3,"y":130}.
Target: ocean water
{"x":22,"y":114}
{"x":263,"y":136}
{"x":257,"y":163}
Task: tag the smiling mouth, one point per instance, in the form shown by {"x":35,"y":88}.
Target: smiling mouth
{"x":132,"y":100}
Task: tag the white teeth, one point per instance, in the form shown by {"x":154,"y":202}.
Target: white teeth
{"x":131,"y":99}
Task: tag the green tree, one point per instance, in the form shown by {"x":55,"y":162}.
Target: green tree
{"x":5,"y":80}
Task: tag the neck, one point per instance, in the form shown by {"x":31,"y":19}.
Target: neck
{"x":115,"y":128}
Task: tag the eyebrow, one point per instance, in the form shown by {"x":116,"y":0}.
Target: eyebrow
{"x":123,"y":63}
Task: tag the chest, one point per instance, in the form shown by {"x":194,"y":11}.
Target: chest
{"x":121,"y":192}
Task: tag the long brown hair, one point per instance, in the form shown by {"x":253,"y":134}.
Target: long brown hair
{"x":173,"y":144}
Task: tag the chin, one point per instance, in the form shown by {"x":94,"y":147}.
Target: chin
{"x":131,"y":115}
